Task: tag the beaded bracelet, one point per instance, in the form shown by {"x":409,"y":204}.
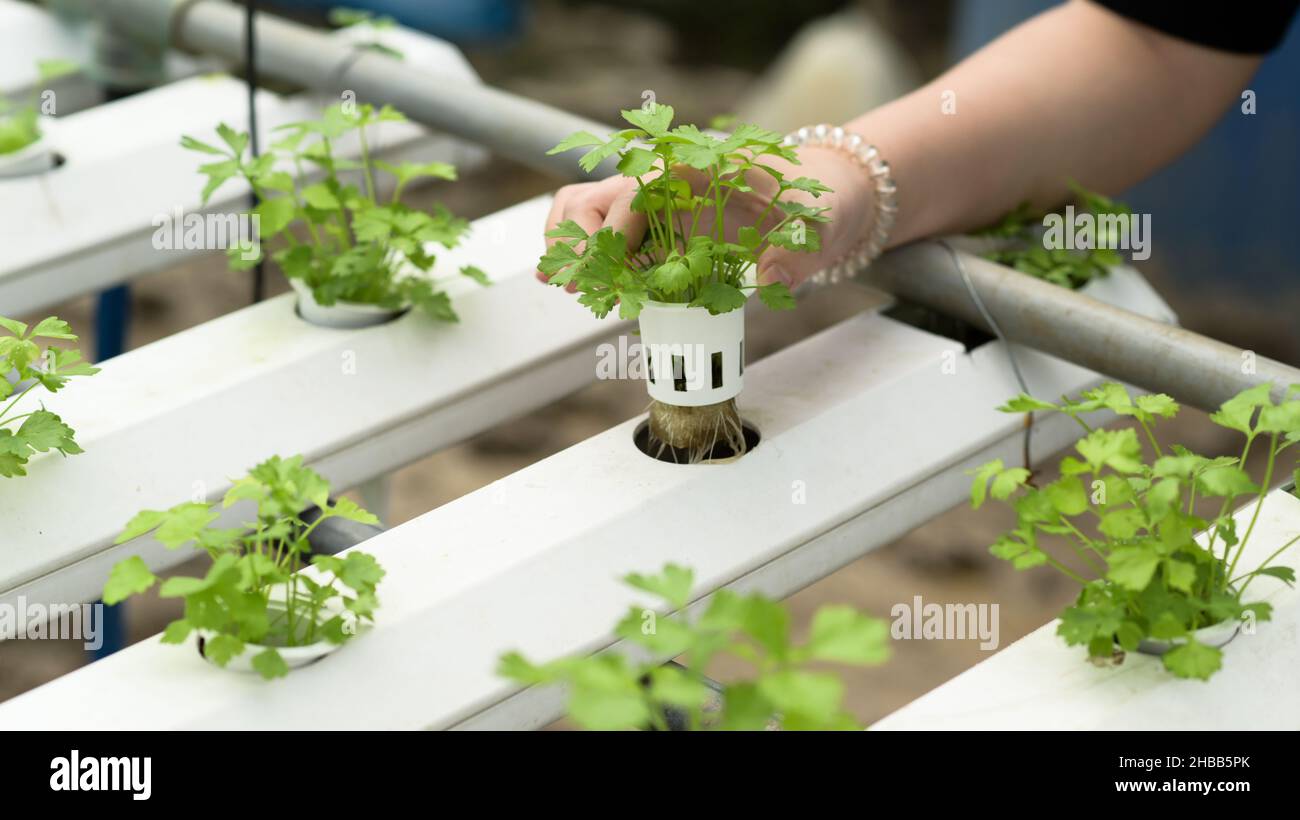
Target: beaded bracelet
{"x":886,"y":200}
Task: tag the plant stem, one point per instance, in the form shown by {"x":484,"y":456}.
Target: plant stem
{"x":1259,"y":503}
{"x":1250,"y":576}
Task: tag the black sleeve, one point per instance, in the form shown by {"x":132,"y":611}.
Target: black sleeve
{"x":1251,"y":27}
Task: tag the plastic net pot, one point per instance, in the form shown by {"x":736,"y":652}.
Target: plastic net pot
{"x":1215,"y":635}
{"x":341,"y":315}
{"x":693,"y":358}
{"x":293,"y":656}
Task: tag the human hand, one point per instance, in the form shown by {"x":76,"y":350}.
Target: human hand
{"x":607,"y":203}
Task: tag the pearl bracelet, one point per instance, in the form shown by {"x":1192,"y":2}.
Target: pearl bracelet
{"x":886,"y":199}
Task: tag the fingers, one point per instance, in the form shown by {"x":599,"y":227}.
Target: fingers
{"x":622,"y":218}
{"x":594,"y":205}
{"x":557,"y":215}
{"x":787,"y":267}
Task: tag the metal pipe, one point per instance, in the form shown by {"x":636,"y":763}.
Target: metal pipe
{"x":513,"y":126}
{"x":333,"y":535}
{"x":1165,"y":358}
{"x":1194,"y":369}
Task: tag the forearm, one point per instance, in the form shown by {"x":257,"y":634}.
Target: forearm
{"x":1075,"y":93}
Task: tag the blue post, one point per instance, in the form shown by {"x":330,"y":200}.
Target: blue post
{"x":112,"y":319}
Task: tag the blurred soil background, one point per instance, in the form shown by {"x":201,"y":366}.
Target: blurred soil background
{"x":594,"y":58}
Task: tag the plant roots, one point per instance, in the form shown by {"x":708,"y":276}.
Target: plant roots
{"x":694,"y":433}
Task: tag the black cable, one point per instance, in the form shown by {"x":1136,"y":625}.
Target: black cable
{"x":997,"y":331}
{"x":250,"y":76}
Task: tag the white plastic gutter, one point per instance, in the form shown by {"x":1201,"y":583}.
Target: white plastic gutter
{"x":1040,"y":683}
{"x":186,"y":414}
{"x":868,"y":416}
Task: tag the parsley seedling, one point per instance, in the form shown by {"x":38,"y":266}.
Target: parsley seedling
{"x":355,"y":248}
{"x":253,"y":595}
{"x":20,"y":124}
{"x":609,"y":691}
{"x":1022,"y":228}
{"x":683,"y":259}
{"x":1130,"y":518}
{"x":24,"y":368}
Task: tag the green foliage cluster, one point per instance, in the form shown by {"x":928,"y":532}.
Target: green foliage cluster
{"x":253,"y":593}
{"x":356,"y":247}
{"x":608,"y":691}
{"x":1060,"y":266}
{"x":24,"y":367}
{"x":20,"y":123}
{"x":1131,"y":518}
{"x":684,"y":258}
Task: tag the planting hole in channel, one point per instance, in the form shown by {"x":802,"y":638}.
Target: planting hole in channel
{"x":721,"y":451}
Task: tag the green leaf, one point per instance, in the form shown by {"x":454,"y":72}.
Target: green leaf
{"x":1006,"y":482}
{"x":776,"y":296}
{"x":744,"y":709}
{"x":1227,"y":481}
{"x":581,"y":139}
{"x":637,"y":162}
{"x":274,"y":215}
{"x":1180,"y":575}
{"x":1122,"y":524}
{"x":1133,"y":567}
{"x":43,"y":431}
{"x":476,"y":274}
{"x":177,"y":631}
{"x":1067,"y":495}
{"x":319,"y":196}
{"x":750,"y":237}
{"x":221,"y":648}
{"x":1236,"y":412}
{"x":600,"y":153}
{"x":671,"y":685}
{"x":1193,"y":660}
{"x":1284,"y":574}
{"x":52,"y":69}
{"x":807,"y":185}
{"x":141,"y":523}
{"x":1128,"y":635}
{"x":980,"y":484}
{"x":653,"y":118}
{"x":1117,"y":449}
{"x":14,"y":326}
{"x":269,"y":664}
{"x":719,"y":298}
{"x":815,"y":695}
{"x":194,"y":145}
{"x":409,"y":171}
{"x":236,"y":140}
{"x":514,"y":666}
{"x":52,"y":327}
{"x":673,"y":584}
{"x":842,"y":634}
{"x":568,"y":229}
{"x":1158,"y":405}
{"x":345,"y":507}
{"x":183,"y":523}
{"x":129,"y":577}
